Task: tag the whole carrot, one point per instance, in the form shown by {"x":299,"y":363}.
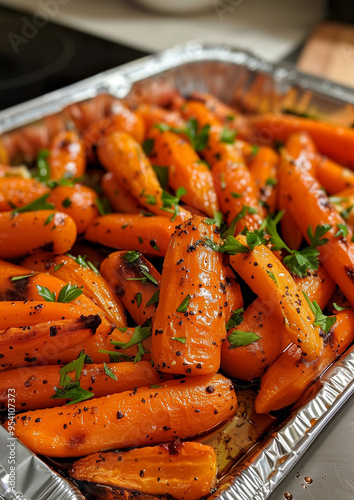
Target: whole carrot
{"x":67,"y":156}
{"x":36,"y":385}
{"x":189,"y":322}
{"x":130,"y":419}
{"x":29,"y":232}
{"x":149,"y":235}
{"x":185,"y":471}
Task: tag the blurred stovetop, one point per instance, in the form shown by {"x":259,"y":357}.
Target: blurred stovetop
{"x":34,"y":61}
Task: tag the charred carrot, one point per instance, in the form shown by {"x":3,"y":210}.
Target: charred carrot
{"x":181,"y":470}
{"x":263,"y":168}
{"x":78,"y":271}
{"x":36,"y":385}
{"x":29,"y":232}
{"x":16,"y":192}
{"x":135,"y":281}
{"x":67,"y":156}
{"x":184,"y":169}
{"x":310,"y":207}
{"x":289,"y":376}
{"x":275,"y":286}
{"x":335,"y":141}
{"x":119,"y":197}
{"x":77,"y":201}
{"x":126,"y":420}
{"x":189,"y":322}
{"x":33,"y":345}
{"x":123,"y":156}
{"x":149,"y":235}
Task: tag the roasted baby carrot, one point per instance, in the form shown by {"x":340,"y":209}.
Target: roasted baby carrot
{"x":184,"y":169}
{"x":130,"y":419}
{"x":36,"y":385}
{"x":269,"y":279}
{"x":237,"y":194}
{"x":332,"y":176}
{"x":77,"y":201}
{"x":29,"y":232}
{"x":135,"y":281}
{"x":303,"y":197}
{"x":16,"y":192}
{"x":290,"y":375}
{"x":189,"y":322}
{"x":185,"y":471}
{"x":77,"y":271}
{"x":263,"y":168}
{"x":119,"y":197}
{"x":250,"y":361}
{"x":335,"y":141}
{"x":149,"y":235}
{"x":123,"y":156}
{"x":302,"y":149}
{"x":67,"y":156}
{"x":33,"y":345}
{"x":32,"y":312}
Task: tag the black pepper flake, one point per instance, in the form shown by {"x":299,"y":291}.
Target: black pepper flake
{"x":38,"y":420}
{"x":65,"y":426}
{"x":141,"y":474}
{"x":119,"y":415}
{"x":53,"y":330}
{"x":166,"y":428}
{"x":210,"y":389}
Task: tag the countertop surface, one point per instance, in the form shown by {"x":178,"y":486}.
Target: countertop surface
{"x":271,"y":28}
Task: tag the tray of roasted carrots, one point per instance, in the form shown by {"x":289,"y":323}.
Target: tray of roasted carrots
{"x":176,"y":276}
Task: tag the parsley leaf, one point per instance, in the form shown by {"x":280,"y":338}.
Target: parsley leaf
{"x":342,"y":230}
{"x":140,"y":334}
{"x":24,"y":276}
{"x":228,"y":136}
{"x":170,"y":202}
{"x":139,"y":297}
{"x":103,"y":206}
{"x":198,"y":139}
{"x":230,"y":246}
{"x":182,"y":340}
{"x":131,"y":256}
{"x":253,"y":240}
{"x":69,"y":293}
{"x":316,"y":239}
{"x":272,"y":275}
{"x":184,"y":304}
{"x":324,"y":322}
{"x":109,"y":372}
{"x":239,"y":338}
{"x":148,"y":146}
{"x":162,"y":175}
{"x":236,"y":319}
{"x":38,"y":204}
{"x":45,"y":293}
{"x":338,"y":308}
{"x":43,"y":165}
{"x":154,"y":299}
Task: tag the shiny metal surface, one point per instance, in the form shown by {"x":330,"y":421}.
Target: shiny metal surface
{"x":234,"y":76}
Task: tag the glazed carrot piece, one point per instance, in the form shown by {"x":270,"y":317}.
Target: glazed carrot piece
{"x":233,"y":293}
{"x":123,"y":156}
{"x":95,"y":287}
{"x":250,"y":362}
{"x":124,"y":120}
{"x":185,"y":471}
{"x":290,"y":375}
{"x":32,"y":312}
{"x":153,"y":115}
{"x":149,"y":235}
{"x":35,"y":385}
{"x":332,"y":176}
{"x":237,"y":193}
{"x":335,"y":141}
{"x":31,"y":345}
{"x":16,"y":192}
{"x":67,"y":156}
{"x":189,"y":322}
{"x":101,"y":349}
{"x":184,"y":169}
{"x":29,"y":232}
{"x":77,"y":201}
{"x":303,"y":197}
{"x":126,"y":420}
{"x":119,"y":197}
{"x":263,"y":168}
{"x":276,"y":287}
{"x":126,"y":273}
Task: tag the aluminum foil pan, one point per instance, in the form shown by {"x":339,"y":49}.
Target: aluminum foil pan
{"x":242,"y":79}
